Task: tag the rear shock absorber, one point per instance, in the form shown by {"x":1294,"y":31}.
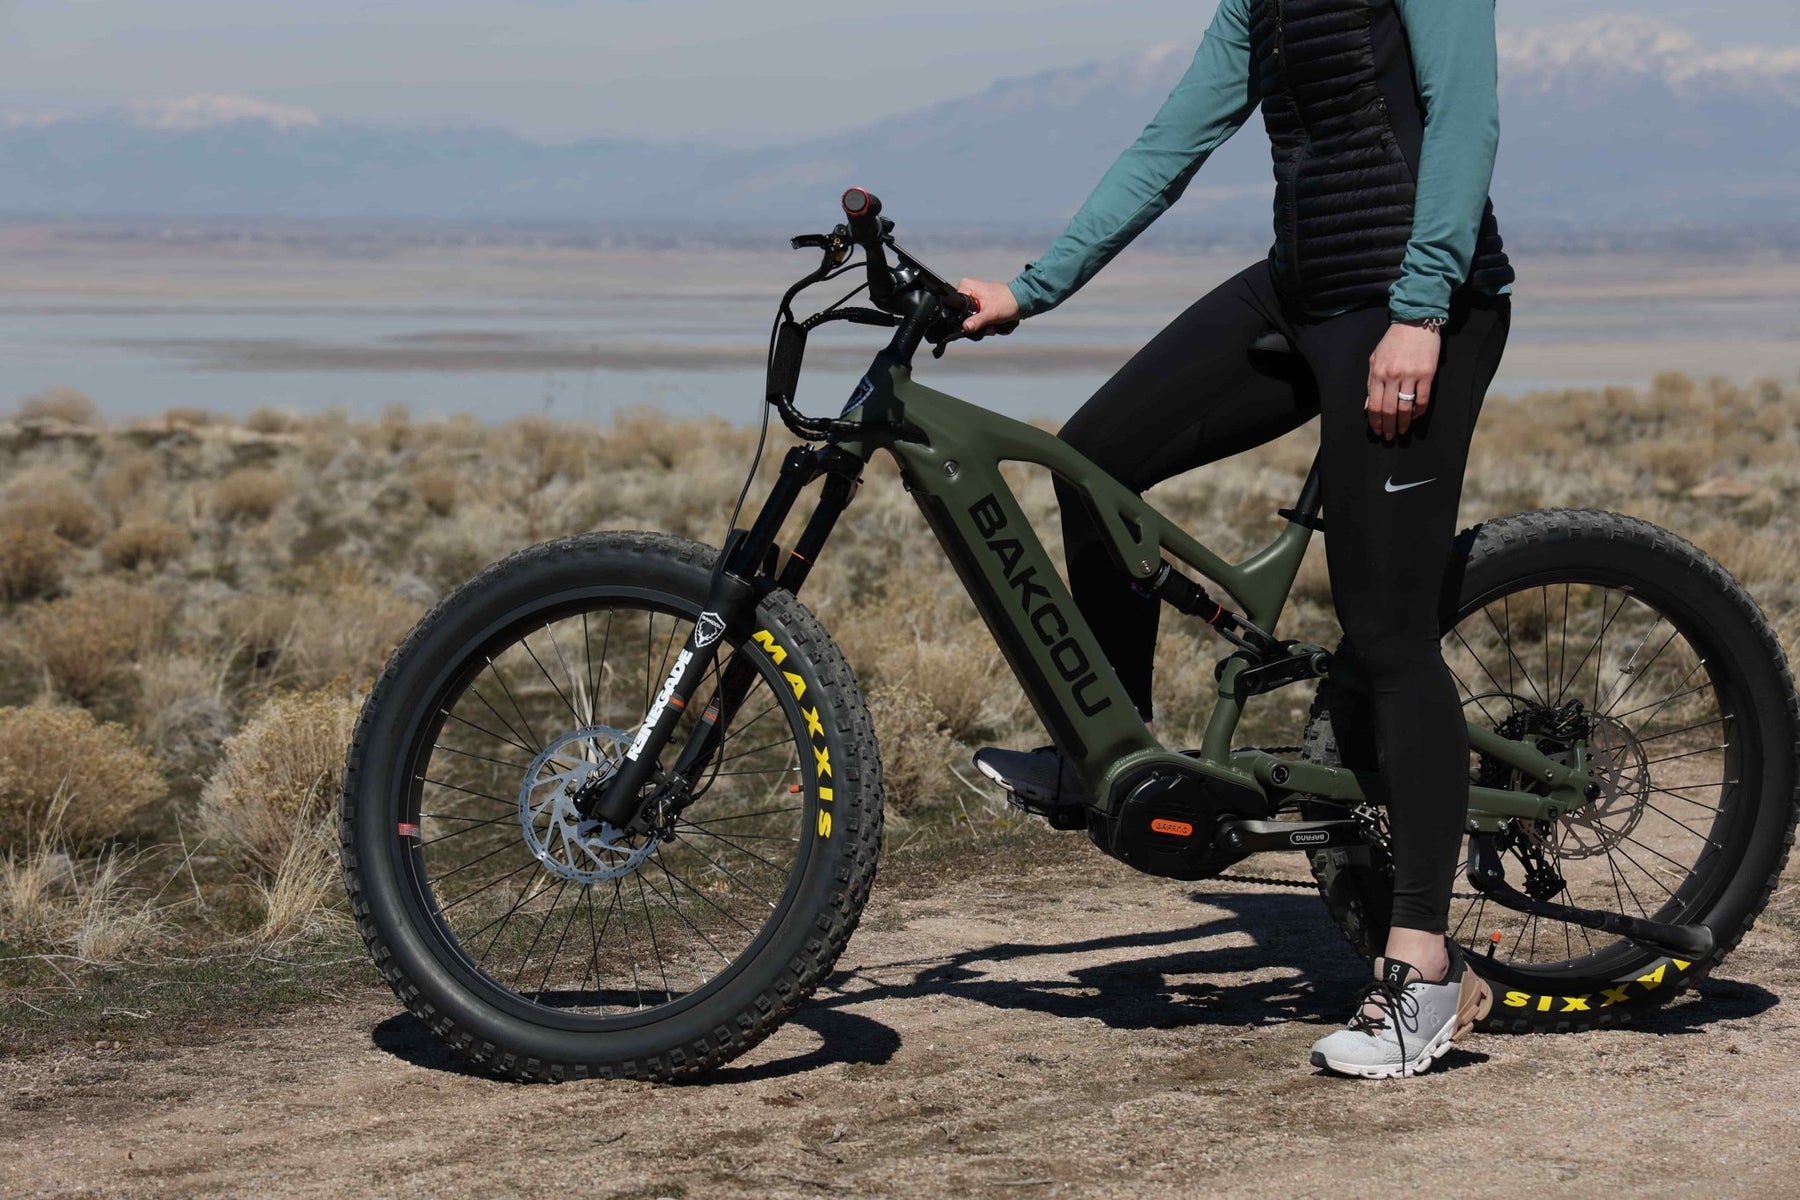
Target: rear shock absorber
{"x":1185,"y":596}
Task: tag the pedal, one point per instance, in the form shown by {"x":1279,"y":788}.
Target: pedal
{"x":1060,"y":816}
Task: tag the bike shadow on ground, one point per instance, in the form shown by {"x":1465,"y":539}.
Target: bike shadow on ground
{"x":842,"y":1037}
{"x":1293,"y":965}
{"x":1154,"y":979}
{"x":1285,"y":962}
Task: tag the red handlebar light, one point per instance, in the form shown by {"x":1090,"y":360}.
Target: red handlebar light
{"x":856,"y":202}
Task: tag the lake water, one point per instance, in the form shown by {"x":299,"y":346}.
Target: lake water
{"x":500,"y":333}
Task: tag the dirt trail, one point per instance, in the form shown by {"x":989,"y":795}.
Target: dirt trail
{"x":1080,"y":1031}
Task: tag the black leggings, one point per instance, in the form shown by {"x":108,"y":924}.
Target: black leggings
{"x":1198,"y":393}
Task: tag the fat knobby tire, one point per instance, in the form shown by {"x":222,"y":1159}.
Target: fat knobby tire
{"x":1355,"y":884}
{"x":761,"y":989}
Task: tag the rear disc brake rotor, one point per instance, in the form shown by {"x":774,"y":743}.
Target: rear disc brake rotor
{"x":1622,"y":769}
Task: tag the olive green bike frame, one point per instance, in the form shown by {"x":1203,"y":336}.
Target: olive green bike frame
{"x":950,"y":453}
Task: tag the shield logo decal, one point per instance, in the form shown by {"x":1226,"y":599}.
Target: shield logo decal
{"x":707,"y":629}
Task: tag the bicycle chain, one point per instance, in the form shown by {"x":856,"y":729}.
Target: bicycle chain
{"x":1310,"y":885}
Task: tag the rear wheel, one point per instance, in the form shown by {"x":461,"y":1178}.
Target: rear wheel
{"x":1591,"y":628}
{"x":542,"y":946}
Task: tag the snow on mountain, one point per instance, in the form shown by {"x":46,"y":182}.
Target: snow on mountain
{"x":206,"y":111}
{"x":1606,"y":121}
{"x":1611,"y":50}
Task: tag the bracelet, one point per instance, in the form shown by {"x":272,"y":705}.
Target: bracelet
{"x":1435,"y":324}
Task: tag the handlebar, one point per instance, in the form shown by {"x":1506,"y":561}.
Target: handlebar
{"x":911,"y":298}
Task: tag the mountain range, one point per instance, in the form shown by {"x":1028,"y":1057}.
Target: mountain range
{"x":1609,"y":122}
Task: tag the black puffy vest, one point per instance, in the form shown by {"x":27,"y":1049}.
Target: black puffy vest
{"x":1345,"y":123}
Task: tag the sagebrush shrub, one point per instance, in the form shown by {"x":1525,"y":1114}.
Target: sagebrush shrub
{"x":31,"y":562}
{"x":249,"y":494}
{"x":93,"y":780}
{"x":83,"y":642}
{"x":916,"y":750}
{"x":145,"y":544}
{"x":272,"y":420}
{"x":437,"y":487}
{"x":46,"y":498}
{"x":61,"y":404}
{"x":278,"y":776}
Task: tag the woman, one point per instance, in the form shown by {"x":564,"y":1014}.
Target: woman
{"x":1389,"y":280}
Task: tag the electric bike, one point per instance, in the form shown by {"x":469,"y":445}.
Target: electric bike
{"x":615,"y":805}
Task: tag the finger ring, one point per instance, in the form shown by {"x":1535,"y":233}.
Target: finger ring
{"x":1408,"y":397}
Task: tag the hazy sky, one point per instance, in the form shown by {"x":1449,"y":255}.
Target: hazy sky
{"x":741,"y":71}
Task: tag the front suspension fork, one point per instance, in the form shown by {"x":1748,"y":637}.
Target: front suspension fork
{"x":743,"y":574}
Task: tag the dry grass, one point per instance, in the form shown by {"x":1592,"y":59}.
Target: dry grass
{"x":296,"y":899}
{"x":278,"y":777}
{"x":111,"y":919}
{"x":61,"y":770}
{"x":31,"y":875}
{"x":86,"y":910}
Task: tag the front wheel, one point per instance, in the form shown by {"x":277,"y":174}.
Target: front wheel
{"x":1597,"y":631}
{"x":541,"y":946}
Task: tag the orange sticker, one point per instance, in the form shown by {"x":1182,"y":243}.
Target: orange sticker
{"x":1178,"y":828}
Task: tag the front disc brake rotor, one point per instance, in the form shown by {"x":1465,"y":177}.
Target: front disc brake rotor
{"x":570,"y":845}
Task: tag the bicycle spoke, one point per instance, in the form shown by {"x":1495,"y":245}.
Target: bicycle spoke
{"x":1640,"y":673}
{"x":562,"y":939}
{"x":499,"y":762}
{"x":525,"y":645}
{"x":517,"y":739}
{"x":523,"y":719}
{"x":650,"y":925}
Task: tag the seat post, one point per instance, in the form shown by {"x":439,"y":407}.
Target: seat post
{"x":1306,"y":508}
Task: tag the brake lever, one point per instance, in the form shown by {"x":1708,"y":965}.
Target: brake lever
{"x":938,"y":348}
{"x":835,"y":244}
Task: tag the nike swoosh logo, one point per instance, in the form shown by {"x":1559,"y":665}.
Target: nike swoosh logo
{"x":1390,"y":486}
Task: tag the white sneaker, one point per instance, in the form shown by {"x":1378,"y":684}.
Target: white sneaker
{"x":1418,"y":1021}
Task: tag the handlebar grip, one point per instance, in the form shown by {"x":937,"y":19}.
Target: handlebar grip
{"x":960,"y":305}
{"x":863,"y":208}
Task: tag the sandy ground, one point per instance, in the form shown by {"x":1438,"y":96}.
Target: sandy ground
{"x":1079,"y":1030}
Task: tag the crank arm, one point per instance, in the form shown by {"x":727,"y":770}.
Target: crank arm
{"x":1251,"y":837}
{"x":1488,"y":877}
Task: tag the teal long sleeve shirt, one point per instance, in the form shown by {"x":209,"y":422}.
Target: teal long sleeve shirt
{"x":1456,"y":68}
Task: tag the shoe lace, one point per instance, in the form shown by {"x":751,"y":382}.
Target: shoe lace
{"x":1394,"y":1000}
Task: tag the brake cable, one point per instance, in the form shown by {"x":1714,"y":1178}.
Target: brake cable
{"x":786,"y":313}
